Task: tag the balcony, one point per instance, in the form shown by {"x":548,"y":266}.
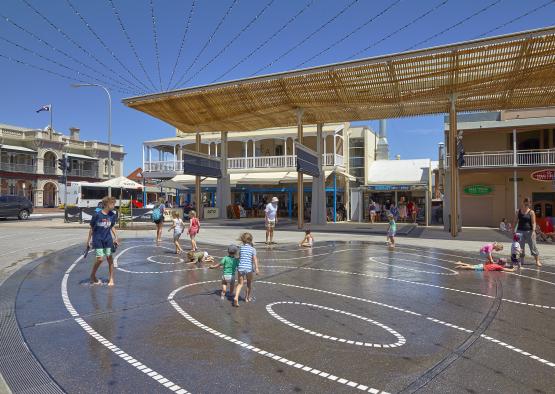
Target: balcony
{"x":50,"y":170}
{"x":83,"y":173}
{"x":16,"y":167}
{"x":505,"y":159}
{"x":236,"y":164}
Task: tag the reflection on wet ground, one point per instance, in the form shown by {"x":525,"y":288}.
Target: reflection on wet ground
{"x":338,"y":317}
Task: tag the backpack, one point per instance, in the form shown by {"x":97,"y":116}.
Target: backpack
{"x":156,"y":213}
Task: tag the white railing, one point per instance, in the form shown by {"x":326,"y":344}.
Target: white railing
{"x":245,"y":163}
{"x":524,"y":158}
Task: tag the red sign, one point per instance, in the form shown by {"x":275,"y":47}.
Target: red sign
{"x":543,"y":175}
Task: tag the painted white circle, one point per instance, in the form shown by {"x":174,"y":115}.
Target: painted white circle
{"x":153,"y":259}
{"x":451,"y":272}
{"x":400,"y":339}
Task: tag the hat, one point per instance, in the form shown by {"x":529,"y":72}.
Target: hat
{"x":275,"y":199}
{"x":516,"y":237}
{"x":232,"y":249}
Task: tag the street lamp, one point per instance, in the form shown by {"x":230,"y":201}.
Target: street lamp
{"x":81,"y":85}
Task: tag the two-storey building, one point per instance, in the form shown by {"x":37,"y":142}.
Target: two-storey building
{"x":500,"y":170}
{"x":29,"y":162}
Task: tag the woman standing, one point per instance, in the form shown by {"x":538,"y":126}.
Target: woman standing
{"x":402,"y":206}
{"x":158,"y":219}
{"x":372,"y":211}
{"x":525,"y":223}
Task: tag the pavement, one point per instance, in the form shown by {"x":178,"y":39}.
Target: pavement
{"x":346,"y":316}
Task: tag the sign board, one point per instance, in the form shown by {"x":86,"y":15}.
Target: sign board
{"x":390,"y":188}
{"x":199,"y":164}
{"x":211,"y":213}
{"x":543,"y":175}
{"x":478,"y":190}
{"x":307,"y":161}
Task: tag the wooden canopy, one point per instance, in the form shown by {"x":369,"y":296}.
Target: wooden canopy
{"x":506,"y":72}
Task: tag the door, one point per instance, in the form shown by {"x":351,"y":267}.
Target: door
{"x":13,"y":206}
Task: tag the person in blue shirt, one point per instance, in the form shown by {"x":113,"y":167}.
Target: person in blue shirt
{"x":102,"y":238}
{"x":248,"y":266}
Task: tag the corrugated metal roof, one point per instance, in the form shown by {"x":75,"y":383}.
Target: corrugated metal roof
{"x":506,"y":72}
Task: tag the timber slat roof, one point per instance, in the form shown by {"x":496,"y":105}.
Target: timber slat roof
{"x":506,"y":72}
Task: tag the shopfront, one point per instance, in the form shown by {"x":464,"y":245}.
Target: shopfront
{"x":384,"y":195}
{"x":488,"y":197}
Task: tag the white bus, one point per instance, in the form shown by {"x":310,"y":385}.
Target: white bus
{"x":89,"y":195}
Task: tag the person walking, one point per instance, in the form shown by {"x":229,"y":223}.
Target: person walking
{"x":158,"y":219}
{"x":525,"y":224}
{"x":270,"y":219}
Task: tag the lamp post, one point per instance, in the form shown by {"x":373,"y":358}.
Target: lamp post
{"x":80,"y":85}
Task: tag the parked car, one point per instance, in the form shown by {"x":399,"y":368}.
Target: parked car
{"x":15,"y":206}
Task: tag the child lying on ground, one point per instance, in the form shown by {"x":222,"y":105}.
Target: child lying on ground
{"x":483,"y":267}
{"x":199,"y":257}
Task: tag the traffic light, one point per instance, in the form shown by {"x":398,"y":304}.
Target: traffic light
{"x":62,"y":164}
{"x":460,"y":152}
{"x":68,"y":165}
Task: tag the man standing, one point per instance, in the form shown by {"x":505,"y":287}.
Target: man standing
{"x":270,"y":218}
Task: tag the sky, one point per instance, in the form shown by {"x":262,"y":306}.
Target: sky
{"x":162,"y":41}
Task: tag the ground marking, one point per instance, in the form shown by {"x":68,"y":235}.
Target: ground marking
{"x":452,"y":272}
{"x":262,"y":352}
{"x":400,"y":339}
{"x":109,"y":345}
{"x":152,"y":259}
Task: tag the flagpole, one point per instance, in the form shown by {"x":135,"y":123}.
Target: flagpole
{"x":51,"y":126}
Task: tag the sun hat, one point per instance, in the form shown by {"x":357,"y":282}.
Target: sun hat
{"x":232,"y":249}
{"x":275,"y":199}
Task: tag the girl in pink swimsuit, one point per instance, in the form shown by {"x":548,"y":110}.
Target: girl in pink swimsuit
{"x":194,"y":228}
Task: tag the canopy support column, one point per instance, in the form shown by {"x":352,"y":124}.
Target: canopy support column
{"x":318,"y":211}
{"x":223,"y":198}
{"x":198,"y":197}
{"x":300,"y":190}
{"x":515,"y":165}
{"x":453,"y":168}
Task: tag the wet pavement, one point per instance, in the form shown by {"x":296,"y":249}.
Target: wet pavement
{"x":341,"y":317}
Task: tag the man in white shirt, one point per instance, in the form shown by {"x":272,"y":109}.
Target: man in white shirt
{"x":270,"y":218}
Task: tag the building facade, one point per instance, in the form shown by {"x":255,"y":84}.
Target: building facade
{"x":509,"y":155}
{"x":29,"y":162}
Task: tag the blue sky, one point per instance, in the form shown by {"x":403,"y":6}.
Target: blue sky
{"x":207,"y":55}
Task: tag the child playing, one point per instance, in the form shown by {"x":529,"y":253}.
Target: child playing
{"x":488,"y":249}
{"x":103,"y":238}
{"x":194,"y":228}
{"x":177,"y":228}
{"x":391,"y":230}
{"x":229,"y":265}
{"x":199,"y":257}
{"x":482,"y":267}
{"x":516,"y":251}
{"x":308,"y":240}
{"x":248,"y":264}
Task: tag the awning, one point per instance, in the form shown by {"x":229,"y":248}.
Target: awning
{"x":122,"y":182}
{"x":78,"y":156}
{"x":513,"y":71}
{"x":16,"y":148}
{"x":262,"y":178}
{"x":189,"y":180}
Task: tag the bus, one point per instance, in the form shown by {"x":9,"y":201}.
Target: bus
{"x":89,"y":195}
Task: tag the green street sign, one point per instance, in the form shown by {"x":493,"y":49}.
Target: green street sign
{"x":478,"y":190}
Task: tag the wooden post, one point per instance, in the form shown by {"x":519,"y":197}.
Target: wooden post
{"x":300,"y":189}
{"x":453,"y":168}
{"x":198,"y":197}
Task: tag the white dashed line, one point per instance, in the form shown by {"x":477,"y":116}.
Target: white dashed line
{"x":261,"y":352}
{"x":400,"y":339}
{"x":106,"y":343}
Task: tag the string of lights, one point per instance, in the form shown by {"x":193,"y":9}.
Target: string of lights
{"x":466,"y":19}
{"x":412,"y":22}
{"x":130,"y":41}
{"x":355,"y":30}
{"x":189,"y":18}
{"x":224,"y":17}
{"x":55,"y":62}
{"x":308,"y":37}
{"x":265,"y":42}
{"x":155,"y":35}
{"x":516,"y":19}
{"x":235,"y":38}
{"x":56,"y":49}
{"x":105,"y":46}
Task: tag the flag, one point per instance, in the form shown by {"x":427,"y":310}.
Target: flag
{"x":45,"y":108}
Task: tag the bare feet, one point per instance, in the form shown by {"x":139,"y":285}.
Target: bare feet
{"x":111,"y":283}
{"x":94,"y":281}
{"x":538,"y":264}
{"x":236,"y":303}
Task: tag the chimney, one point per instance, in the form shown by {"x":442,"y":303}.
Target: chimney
{"x":382,"y":150}
{"x":74,"y":133}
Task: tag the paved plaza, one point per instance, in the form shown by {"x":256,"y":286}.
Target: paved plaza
{"x":345,"y":316}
